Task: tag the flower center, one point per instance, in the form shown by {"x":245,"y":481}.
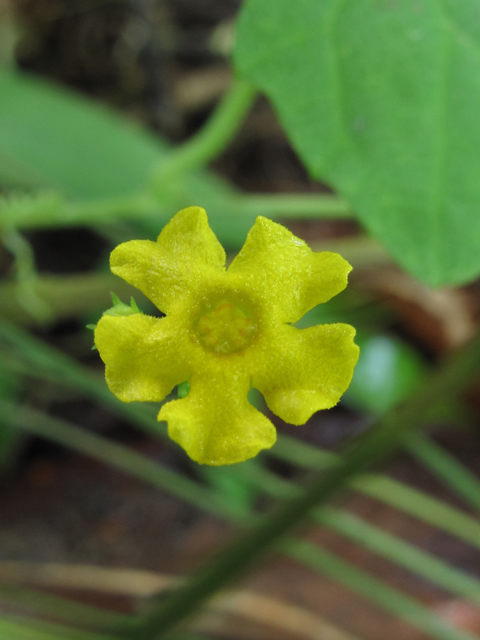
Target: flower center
{"x":224,"y":326}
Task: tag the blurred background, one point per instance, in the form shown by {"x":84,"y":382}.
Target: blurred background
{"x":76,"y":528}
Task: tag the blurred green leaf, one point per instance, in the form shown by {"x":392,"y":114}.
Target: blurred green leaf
{"x":53,"y":139}
{"x":381,"y":99}
{"x":387,"y":371}
{"x":65,"y":141}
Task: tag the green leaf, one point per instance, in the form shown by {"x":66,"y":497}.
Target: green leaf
{"x":381,"y":98}
{"x":59,"y":139}
{"x":53,"y":139}
{"x":387,"y":371}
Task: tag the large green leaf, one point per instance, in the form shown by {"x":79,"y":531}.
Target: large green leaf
{"x":382,"y":99}
{"x":55,"y":139}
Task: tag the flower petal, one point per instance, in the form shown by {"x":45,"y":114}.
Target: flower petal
{"x":142,"y":356}
{"x":179,"y":261}
{"x":307,"y":370}
{"x":215,"y":423}
{"x":286,"y":273}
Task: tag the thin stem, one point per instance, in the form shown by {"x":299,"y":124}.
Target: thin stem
{"x":375,"y":590}
{"x":361,"y":251}
{"x":401,"y":553}
{"x":114,"y":455}
{"x":26,"y":275}
{"x":51,"y":209}
{"x":47,"y":210}
{"x":22,"y":252}
{"x":445,"y":467}
{"x":378,"y":541}
{"x":15,"y":631}
{"x":387,"y":490}
{"x":421,"y":506}
{"x":64,"y":610}
{"x":299,"y":205}
{"x":42,"y":630}
{"x":65,"y":295}
{"x":66,"y":370}
{"x":211,"y":140}
{"x":92,"y":450}
{"x":368,"y":449}
{"x":62,"y":369}
{"x":188,"y":636}
{"x":347,"y":524}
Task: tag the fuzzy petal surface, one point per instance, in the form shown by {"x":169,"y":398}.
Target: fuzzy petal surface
{"x":215,"y":423}
{"x":306,"y":370}
{"x":282,"y":270}
{"x":143,"y":356}
{"x":185,"y":254}
{"x":226,"y":331}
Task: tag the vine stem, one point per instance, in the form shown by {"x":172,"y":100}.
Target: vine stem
{"x":51,"y":209}
{"x":211,"y":140}
{"x":26,"y":275}
{"x":296,"y":205}
{"x":47,"y":210}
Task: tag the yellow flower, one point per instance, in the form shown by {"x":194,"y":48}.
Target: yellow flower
{"x":226,"y":331}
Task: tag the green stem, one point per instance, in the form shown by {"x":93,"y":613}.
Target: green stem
{"x":62,"y":368}
{"x":64,"y":610}
{"x":299,"y":205}
{"x":22,"y":252}
{"x":66,"y":296}
{"x":370,"y":448}
{"x":373,"y":538}
{"x":401,"y":553}
{"x":26,"y":275}
{"x":114,"y":455}
{"x":48,"y":210}
{"x":15,"y":631}
{"x":63,"y":435}
{"x":446,"y":467}
{"x":188,"y":636}
{"x":361,"y":251}
{"x":211,"y":140}
{"x":42,"y":630}
{"x":366,"y":586}
{"x":51,"y":209}
{"x":387,"y":490}
{"x":347,"y":524}
{"x":424,"y":507}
